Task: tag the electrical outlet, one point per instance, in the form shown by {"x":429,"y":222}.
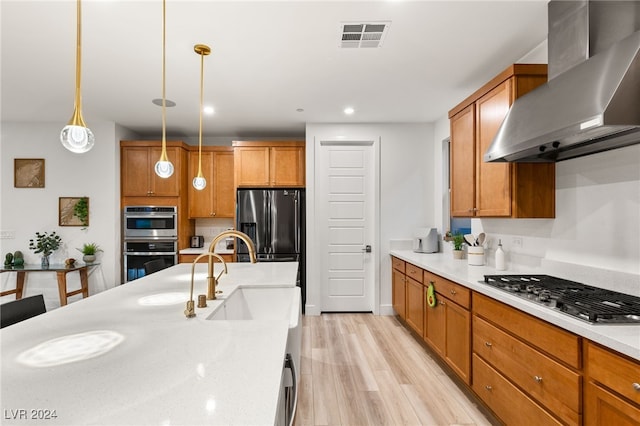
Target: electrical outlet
{"x":516,"y":242}
{"x":7,"y":235}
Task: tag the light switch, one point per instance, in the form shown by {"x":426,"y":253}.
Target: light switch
{"x":7,"y":235}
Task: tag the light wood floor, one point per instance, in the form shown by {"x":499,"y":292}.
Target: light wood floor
{"x":362,"y":369}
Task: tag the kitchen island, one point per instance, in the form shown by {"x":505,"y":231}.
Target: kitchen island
{"x":130,"y":356}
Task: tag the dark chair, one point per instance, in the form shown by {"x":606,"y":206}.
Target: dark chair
{"x":21,"y":309}
{"x":154,"y":266}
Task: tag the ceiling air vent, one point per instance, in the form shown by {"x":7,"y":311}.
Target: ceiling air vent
{"x":363,"y":34}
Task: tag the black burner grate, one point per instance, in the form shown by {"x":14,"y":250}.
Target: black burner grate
{"x":601,"y":306}
{"x":576,"y":299}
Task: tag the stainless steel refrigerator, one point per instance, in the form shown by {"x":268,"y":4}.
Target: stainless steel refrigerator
{"x":274,"y":219}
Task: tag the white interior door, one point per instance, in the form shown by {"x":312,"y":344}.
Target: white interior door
{"x":345,"y":209}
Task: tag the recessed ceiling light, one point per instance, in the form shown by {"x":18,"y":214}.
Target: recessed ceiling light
{"x":167,"y":102}
{"x":208,"y":110}
{"x":349,"y":110}
{"x":300,"y":110}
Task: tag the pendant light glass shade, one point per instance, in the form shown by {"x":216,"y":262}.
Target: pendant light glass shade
{"x":163,"y":167}
{"x":199,"y":182}
{"x":76,"y":136}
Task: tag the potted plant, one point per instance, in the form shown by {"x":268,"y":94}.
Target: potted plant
{"x":458,"y":240}
{"x":46,"y":244}
{"x":89,"y":251}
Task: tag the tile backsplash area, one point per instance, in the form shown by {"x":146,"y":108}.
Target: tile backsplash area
{"x":209,"y":228}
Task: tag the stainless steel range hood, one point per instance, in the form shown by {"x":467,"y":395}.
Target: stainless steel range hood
{"x":592,"y":107}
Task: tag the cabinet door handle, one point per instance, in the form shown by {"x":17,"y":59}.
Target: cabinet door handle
{"x":442,"y":303}
{"x":538,"y":379}
{"x":636,"y":386}
{"x":453,"y":292}
{"x":488,"y":344}
{"x":488,"y":387}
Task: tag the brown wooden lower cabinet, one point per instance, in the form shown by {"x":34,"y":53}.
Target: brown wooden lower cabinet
{"x":555,"y":386}
{"x":508,"y":402}
{"x":436,"y":330}
{"x":415,"y":305}
{"x":448,"y":324}
{"x":606,"y":408}
{"x":458,"y":342}
{"x":612,"y":389}
{"x":526,"y":370}
{"x":398,"y":283}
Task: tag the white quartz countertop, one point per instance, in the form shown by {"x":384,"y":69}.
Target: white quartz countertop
{"x":130,"y":356}
{"x":622,"y":338}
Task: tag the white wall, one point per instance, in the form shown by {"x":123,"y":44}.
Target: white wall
{"x":597,"y":221}
{"x":94,"y":174}
{"x":406,"y":193}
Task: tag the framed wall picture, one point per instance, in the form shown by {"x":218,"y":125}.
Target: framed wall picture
{"x":73,"y":211}
{"x":28,"y":172}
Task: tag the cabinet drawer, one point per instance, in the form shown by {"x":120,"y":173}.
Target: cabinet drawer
{"x":554,"y":386}
{"x":614,"y":371}
{"x":452,"y":291}
{"x":553,"y":340}
{"x":414,"y":272}
{"x":397,"y":264}
{"x":508,"y":402}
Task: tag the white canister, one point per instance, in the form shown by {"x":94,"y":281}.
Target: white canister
{"x":475,"y":255}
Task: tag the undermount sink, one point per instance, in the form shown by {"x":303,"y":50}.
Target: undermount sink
{"x":279,"y":303}
{"x":264,"y":304}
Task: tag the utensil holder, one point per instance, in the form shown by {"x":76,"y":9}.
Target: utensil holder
{"x":475,"y":255}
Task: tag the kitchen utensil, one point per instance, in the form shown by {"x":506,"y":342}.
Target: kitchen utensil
{"x":480,"y":239}
{"x":470,"y":239}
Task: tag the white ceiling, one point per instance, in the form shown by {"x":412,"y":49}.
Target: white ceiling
{"x":268,"y":59}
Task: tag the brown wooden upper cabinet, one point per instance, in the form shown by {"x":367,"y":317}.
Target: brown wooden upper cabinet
{"x":217,"y":199}
{"x":269,"y":163}
{"x":138,"y":177}
{"x":518,"y":190}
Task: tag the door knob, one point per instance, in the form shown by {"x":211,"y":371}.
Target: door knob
{"x":367,"y":249}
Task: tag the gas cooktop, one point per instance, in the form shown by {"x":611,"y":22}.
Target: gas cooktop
{"x":581,"y":301}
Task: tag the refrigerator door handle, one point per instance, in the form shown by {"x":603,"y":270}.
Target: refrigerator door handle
{"x":270,"y":217}
{"x":297,"y":221}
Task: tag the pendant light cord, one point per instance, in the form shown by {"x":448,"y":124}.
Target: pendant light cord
{"x":163,"y":156}
{"x":78,"y":54}
{"x":201,"y":102}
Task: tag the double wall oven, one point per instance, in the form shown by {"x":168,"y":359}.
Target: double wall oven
{"x":150,"y":233}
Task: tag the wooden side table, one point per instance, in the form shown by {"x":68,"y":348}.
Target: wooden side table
{"x":61,"y":274}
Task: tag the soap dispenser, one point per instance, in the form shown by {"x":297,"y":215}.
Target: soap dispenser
{"x":500,"y":263}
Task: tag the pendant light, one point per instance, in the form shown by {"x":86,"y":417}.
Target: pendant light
{"x":76,"y":136}
{"x":163,"y":167}
{"x":199,"y":182}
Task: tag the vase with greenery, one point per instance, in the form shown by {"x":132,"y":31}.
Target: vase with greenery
{"x":458,"y":241}
{"x":46,"y":244}
{"x":89,"y":251}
